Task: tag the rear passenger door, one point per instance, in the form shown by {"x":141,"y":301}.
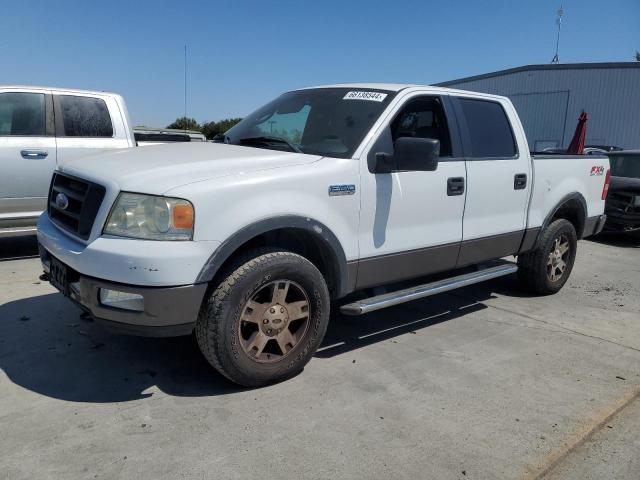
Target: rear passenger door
{"x":83,"y":126}
{"x":27,"y":154}
{"x":498,"y":180}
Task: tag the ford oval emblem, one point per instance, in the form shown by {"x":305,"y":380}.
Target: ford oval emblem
{"x":62,"y":201}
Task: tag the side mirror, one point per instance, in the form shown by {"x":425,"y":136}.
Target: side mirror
{"x":410,"y":154}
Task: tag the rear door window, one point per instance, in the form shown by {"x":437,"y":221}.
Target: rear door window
{"x":22,"y":114}
{"x":489,"y":129}
{"x":84,"y":117}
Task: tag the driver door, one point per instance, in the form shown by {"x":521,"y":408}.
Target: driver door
{"x":411,"y":221}
{"x":27,"y":154}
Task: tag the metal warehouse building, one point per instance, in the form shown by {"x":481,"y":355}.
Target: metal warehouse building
{"x":549,"y":99}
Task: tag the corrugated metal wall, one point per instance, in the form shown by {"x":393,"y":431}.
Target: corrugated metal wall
{"x":550,"y":101}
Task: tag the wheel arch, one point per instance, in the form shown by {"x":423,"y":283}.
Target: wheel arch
{"x":572,"y":207}
{"x":303,"y":235}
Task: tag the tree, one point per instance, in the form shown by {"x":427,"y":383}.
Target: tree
{"x":211,"y":129}
{"x":637,"y":56}
{"x":184,"y":123}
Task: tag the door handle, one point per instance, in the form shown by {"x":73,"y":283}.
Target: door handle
{"x":34,"y":154}
{"x":520,"y":181}
{"x":455,"y":186}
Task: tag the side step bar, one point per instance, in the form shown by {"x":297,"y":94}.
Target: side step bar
{"x":385,"y":300}
{"x":17,"y":231}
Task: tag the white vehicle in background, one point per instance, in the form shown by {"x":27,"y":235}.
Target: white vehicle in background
{"x":320,"y":194}
{"x":41,"y":128}
{"x":153,"y":136}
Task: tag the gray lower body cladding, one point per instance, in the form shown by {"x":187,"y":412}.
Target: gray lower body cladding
{"x":166,"y":311}
{"x":400,"y":266}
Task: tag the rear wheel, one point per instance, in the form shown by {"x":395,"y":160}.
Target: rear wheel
{"x":265,"y":320}
{"x":546,"y":269}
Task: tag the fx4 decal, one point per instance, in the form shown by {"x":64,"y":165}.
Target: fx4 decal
{"x":597,"y":170}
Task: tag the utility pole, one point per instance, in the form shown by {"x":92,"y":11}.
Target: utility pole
{"x":556,"y":58}
{"x":185,"y":88}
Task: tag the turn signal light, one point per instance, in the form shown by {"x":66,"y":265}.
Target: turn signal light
{"x":183,"y":216}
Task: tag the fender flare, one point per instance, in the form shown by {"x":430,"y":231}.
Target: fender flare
{"x":321,"y":232}
{"x":567,"y":198}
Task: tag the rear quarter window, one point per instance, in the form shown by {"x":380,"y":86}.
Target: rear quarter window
{"x":489,"y":129}
{"x":84,"y":117}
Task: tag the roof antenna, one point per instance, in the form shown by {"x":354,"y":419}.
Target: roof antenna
{"x":556,"y":58}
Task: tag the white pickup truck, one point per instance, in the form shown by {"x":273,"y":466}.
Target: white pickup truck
{"x":315,"y":198}
{"x":40,"y":129}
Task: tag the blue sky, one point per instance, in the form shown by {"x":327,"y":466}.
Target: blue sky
{"x":242,"y":53}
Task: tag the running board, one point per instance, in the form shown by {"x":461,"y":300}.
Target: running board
{"x":17,"y":231}
{"x":385,"y":300}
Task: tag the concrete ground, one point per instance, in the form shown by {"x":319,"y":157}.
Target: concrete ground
{"x":480,"y":383}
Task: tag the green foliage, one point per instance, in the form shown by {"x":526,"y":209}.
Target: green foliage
{"x":211,"y":129}
{"x":294,"y":136}
{"x":637,"y":56}
{"x":184,"y":123}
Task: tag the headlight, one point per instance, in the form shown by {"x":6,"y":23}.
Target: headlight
{"x":150,"y":218}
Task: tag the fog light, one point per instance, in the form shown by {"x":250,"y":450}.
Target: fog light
{"x":124,"y":300}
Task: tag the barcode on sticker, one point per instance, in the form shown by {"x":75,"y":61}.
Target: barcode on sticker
{"x":371,"y":96}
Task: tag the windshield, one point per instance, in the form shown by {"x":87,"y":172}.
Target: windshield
{"x":625,"y":165}
{"x":323,"y":121}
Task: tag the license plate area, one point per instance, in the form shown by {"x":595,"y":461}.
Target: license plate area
{"x":58,"y":276}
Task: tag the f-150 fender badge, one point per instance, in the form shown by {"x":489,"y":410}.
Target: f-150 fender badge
{"x":336,"y":190}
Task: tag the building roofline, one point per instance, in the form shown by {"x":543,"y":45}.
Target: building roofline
{"x":550,"y":66}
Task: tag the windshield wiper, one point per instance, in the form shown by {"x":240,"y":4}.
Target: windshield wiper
{"x":267,"y":139}
{"x":221,"y":138}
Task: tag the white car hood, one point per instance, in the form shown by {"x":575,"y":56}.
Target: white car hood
{"x":158,"y":168}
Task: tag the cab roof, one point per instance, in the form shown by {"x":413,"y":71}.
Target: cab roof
{"x":57,"y":89}
{"x":396,"y":87}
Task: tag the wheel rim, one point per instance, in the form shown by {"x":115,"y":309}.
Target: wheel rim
{"x":558,"y":256}
{"x":274,"y":321}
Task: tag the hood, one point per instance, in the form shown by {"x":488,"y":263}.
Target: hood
{"x":155,"y":169}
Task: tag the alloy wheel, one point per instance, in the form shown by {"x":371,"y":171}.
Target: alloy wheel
{"x":274,"y":321}
{"x":557,"y":261}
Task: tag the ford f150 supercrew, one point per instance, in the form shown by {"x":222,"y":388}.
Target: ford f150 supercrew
{"x":317,"y":197}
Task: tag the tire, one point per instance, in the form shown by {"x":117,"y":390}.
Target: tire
{"x":242,"y":326}
{"x":539,"y":270}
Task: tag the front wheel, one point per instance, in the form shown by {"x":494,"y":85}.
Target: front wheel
{"x":546,"y":269}
{"x":266,"y":319}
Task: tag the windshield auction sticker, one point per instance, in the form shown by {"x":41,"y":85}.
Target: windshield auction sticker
{"x":370,"y":96}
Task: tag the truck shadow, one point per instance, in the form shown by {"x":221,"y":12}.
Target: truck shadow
{"x":18,"y":247}
{"x":47,"y":347}
{"x":347,"y":333}
{"x":622,"y":240}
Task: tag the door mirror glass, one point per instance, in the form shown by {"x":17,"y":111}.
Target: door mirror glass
{"x":410,"y":154}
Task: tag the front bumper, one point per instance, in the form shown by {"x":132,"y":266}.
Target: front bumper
{"x":150,"y":263}
{"x":165,"y":311}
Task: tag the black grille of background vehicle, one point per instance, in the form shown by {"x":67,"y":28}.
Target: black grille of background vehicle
{"x":85,"y":199}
